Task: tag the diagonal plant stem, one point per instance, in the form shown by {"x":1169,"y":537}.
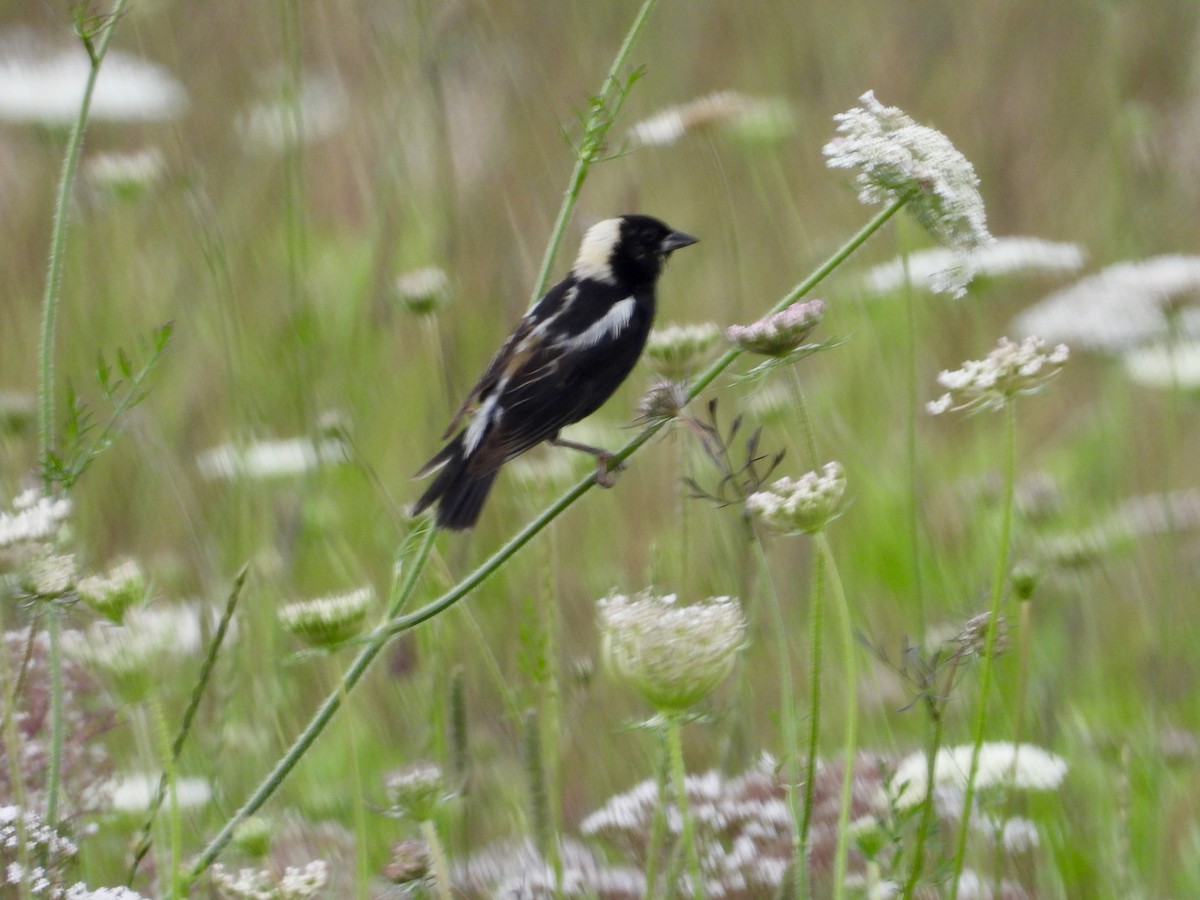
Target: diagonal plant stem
{"x":398,"y":624}
{"x":989,"y":644}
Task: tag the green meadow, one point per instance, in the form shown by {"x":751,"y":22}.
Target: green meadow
{"x":236,"y":321}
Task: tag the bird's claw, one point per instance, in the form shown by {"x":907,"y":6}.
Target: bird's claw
{"x":607,"y":470}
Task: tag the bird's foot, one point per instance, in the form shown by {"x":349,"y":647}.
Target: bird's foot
{"x":607,"y":471}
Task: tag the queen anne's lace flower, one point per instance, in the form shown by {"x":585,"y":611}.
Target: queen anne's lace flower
{"x":416,"y":791}
{"x":113,"y":593}
{"x":803,"y":505}
{"x":673,"y":655}
{"x":675,"y":350}
{"x":1003,"y":256}
{"x":781,"y":333}
{"x":1009,"y":370}
{"x":896,"y":158}
{"x":328,"y":621}
{"x":1023,"y":767}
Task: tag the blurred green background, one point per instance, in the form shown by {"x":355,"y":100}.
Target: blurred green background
{"x":444,"y":147}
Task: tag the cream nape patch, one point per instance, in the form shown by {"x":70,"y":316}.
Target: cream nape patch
{"x":596,"y":250}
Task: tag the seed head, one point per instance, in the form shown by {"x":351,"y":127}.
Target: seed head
{"x":664,"y":400}
{"x":1009,"y":370}
{"x":898,"y":157}
{"x":422,"y":291}
{"x":804,"y":505}
{"x":113,"y":593}
{"x":328,"y":621}
{"x":416,"y":791}
{"x":780,"y":334}
{"x":253,"y":836}
{"x":675,"y":350}
{"x":50,"y":577}
{"x":673,"y":655}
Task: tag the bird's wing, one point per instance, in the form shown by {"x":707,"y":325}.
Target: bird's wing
{"x":544,"y":310}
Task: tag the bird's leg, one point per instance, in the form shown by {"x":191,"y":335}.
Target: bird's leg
{"x":606,"y":472}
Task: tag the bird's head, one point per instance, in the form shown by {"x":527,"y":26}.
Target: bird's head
{"x":630,"y":249}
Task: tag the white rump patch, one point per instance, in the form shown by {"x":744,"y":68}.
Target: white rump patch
{"x":596,"y":250}
{"x":487,"y":413}
{"x":609,"y":325}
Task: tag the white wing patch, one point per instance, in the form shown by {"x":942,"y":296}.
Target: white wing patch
{"x":609,"y":325}
{"x":487,"y":413}
{"x":596,"y":251}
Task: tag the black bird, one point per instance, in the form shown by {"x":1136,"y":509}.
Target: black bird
{"x":562,"y":361}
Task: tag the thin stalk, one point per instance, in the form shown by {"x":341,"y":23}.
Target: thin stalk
{"x":787,"y":716}
{"x":375,"y":642}
{"x":687,"y":836}
{"x":936,"y":706}
{"x":363,"y":881}
{"x":14,"y":754}
{"x":658,"y":827}
{"x":986,"y":674}
{"x":402,"y":589}
{"x":594,"y":131}
{"x":158,"y":721}
{"x":54,"y":661}
{"x":437,"y":859}
{"x":50,"y":300}
{"x":815,"y":627}
{"x":185,"y":725}
{"x":850,"y":676}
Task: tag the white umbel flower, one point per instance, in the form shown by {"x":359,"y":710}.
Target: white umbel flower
{"x":270,"y":459}
{"x":112,"y":593}
{"x":896,"y":157}
{"x":43,"y":84}
{"x":328,"y":621}
{"x":1003,"y":256}
{"x":752,"y":116}
{"x":1166,"y":365}
{"x":673,"y":655}
{"x":1125,"y":305}
{"x":134,"y":793}
{"x":34,"y":518}
{"x":1023,"y":767}
{"x":673,"y":351}
{"x":803,"y":505}
{"x":1008,"y":371}
{"x":416,"y":791}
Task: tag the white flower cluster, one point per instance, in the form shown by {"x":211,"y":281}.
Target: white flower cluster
{"x":43,"y":83}
{"x":416,"y":791}
{"x":1009,"y":370}
{"x":318,"y":110}
{"x":270,"y":459}
{"x":422,"y":291}
{"x":134,"y":793}
{"x":752,"y":115}
{"x":803,"y":505}
{"x":674,"y":350}
{"x":254,"y":884}
{"x":125,"y":174}
{"x":1166,"y":365}
{"x":1003,"y":256}
{"x":781,"y":333}
{"x":897,"y":157}
{"x":1119,"y":307}
{"x":34,"y":518}
{"x":114,"y":592}
{"x":328,"y":621}
{"x":673,"y":655}
{"x":1023,"y":767}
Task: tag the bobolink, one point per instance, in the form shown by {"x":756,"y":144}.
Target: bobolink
{"x":563,"y":360}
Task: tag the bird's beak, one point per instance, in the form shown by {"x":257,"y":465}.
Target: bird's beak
{"x":675,"y":240}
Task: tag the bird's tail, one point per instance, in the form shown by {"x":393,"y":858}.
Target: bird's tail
{"x":458,"y":494}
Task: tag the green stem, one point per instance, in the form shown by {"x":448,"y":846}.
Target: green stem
{"x":815,"y":625}
{"x":787,"y":716}
{"x":437,"y":858}
{"x":658,"y":827}
{"x":185,"y":725}
{"x":58,"y":245}
{"x":687,"y":836}
{"x":398,"y":624}
{"x":850,"y":676}
{"x":158,"y":722}
{"x":594,"y":130}
{"x":403,"y":588}
{"x":50,"y":301}
{"x":986,"y":674}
